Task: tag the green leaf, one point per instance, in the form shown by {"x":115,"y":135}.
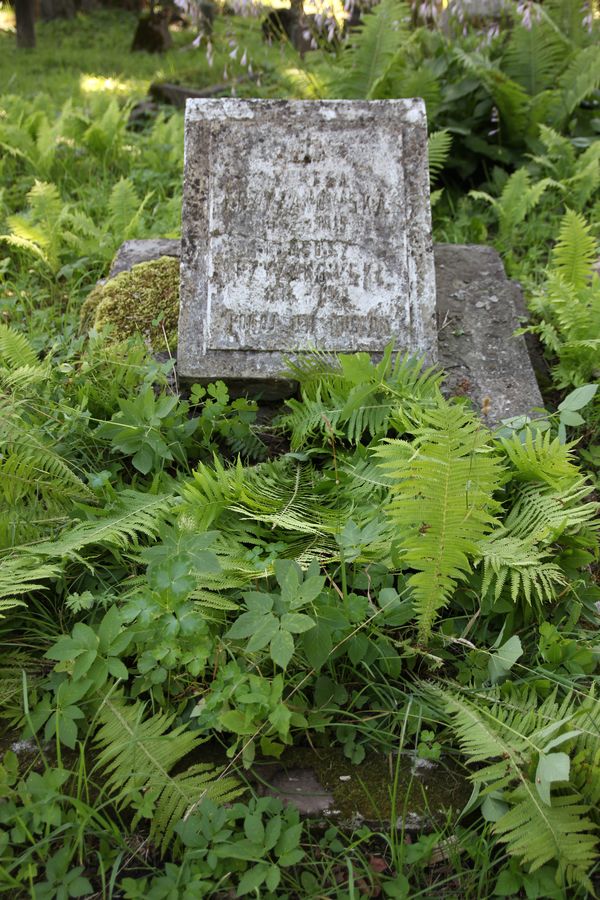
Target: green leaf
{"x":578,"y":398}
{"x":273,"y":877}
{"x":258,"y":602}
{"x":492,"y":809}
{"x":309,"y":590}
{"x":272,"y":832}
{"x":246,"y":625}
{"x":280,"y":720}
{"x":291,"y":858}
{"x":502,"y":661}
{"x":109,"y":628}
{"x":571,"y":418}
{"x":85,"y":636}
{"x":288,"y":575}
{"x":143,"y":460}
{"x":254,"y":828}
{"x":67,"y":731}
{"x":117,"y":669}
{"x":551,"y":767}
{"x":265,"y":632}
{"x":235,"y":721}
{"x":289,"y":840}
{"x":282,"y":648}
{"x":79,"y":887}
{"x":296,"y":622}
{"x":252,"y":879}
{"x":317,"y":645}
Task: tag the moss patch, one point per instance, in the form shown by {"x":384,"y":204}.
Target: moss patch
{"x":133,"y":300}
{"x":366,"y":789}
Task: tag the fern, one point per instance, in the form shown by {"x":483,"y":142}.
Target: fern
{"x":369,"y":52}
{"x":510,"y":98}
{"x":504,"y":741}
{"x":518,"y":198}
{"x":534,"y":57}
{"x":442,"y":501}
{"x":439,"y":145}
{"x":517,"y":553}
{"x":348,"y":397}
{"x":22,"y":243}
{"x":575,"y":250}
{"x":138,"y":754}
{"x":7,"y":603}
{"x":118,"y":525}
{"x":543,"y":515}
{"x":123,"y":206}
{"x":15,"y":349}
{"x":539,"y":457}
{"x":21,"y":575}
{"x":580,"y":78}
{"x":39,"y":229}
{"x":516,"y":561}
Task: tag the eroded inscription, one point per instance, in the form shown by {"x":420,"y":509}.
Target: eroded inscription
{"x":305,"y":225}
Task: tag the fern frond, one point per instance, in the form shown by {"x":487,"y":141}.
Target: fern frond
{"x":45,"y":202}
{"x":20,"y":575}
{"x":439,"y":145}
{"x":508,"y":740}
{"x":211,"y":492}
{"x":516,"y":561}
{"x":7,"y":603}
{"x":138,"y":753}
{"x":534,"y":57}
{"x":348,"y":396}
{"x":30,"y":468}
{"x":510,"y":98}
{"x":442,"y":500}
{"x":369,"y":51}
{"x":543,"y":515}
{"x":540,"y":457}
{"x":22,"y":378}
{"x":133,"y":514}
{"x":581,"y":77}
{"x":21,"y":243}
{"x":15,"y":349}
{"x":575,"y":250}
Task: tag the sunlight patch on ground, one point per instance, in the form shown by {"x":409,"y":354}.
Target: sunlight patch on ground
{"x":7,"y":18}
{"x":94,"y":84}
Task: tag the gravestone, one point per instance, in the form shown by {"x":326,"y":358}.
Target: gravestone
{"x":306,"y":224}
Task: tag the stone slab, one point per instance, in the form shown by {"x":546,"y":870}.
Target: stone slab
{"x":133,"y":252}
{"x":324,"y":786}
{"x":478,"y":310}
{"x":305,"y":224}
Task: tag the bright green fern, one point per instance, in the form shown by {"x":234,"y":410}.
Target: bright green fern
{"x":442,"y":503}
{"x":138,"y":753}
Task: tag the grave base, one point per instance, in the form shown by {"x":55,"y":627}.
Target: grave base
{"x":478,"y":310}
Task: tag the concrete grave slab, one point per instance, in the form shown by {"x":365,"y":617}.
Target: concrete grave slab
{"x":478,"y":310}
{"x":305,"y":224}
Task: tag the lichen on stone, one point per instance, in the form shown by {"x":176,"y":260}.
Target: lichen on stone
{"x":143,"y":300}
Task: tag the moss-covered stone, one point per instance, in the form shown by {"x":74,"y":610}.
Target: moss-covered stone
{"x":133,"y":300}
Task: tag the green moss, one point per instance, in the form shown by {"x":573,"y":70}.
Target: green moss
{"x":129,"y":304}
{"x":366,"y":789}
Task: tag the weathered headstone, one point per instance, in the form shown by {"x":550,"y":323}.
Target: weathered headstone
{"x":305,"y":225}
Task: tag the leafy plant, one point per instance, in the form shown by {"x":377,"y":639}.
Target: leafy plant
{"x":153,"y":431}
{"x":442,"y":501}
{"x":274,"y":619}
{"x":138,"y":753}
{"x":517,"y":744}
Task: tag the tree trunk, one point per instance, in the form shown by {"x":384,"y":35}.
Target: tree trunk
{"x":25,"y":17}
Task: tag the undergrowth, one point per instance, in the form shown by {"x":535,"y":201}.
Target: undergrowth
{"x":187,"y":592}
